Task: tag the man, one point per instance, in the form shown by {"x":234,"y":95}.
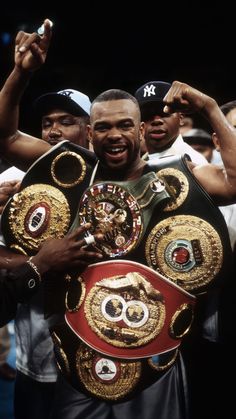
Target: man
{"x":128,"y":202}
{"x":63,"y":115}
{"x":201,"y":141}
{"x":162,"y":130}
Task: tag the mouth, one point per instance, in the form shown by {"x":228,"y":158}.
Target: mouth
{"x":53,"y":142}
{"x":157,"y":134}
{"x":116,"y":152}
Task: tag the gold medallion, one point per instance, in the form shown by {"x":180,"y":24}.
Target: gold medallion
{"x":107,"y":378}
{"x":185,"y":249}
{"x":178,"y":186}
{"x":37,"y":213}
{"x":126,"y":311}
{"x":115,"y":213}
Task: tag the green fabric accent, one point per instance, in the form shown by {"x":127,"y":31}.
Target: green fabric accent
{"x":147,"y":198}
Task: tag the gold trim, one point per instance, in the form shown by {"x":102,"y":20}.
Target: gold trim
{"x":79,"y":171}
{"x":18,"y":249}
{"x":81,"y":298}
{"x":174,"y":320}
{"x":177,"y":185}
{"x":163,"y":367}
{"x":62,"y":354}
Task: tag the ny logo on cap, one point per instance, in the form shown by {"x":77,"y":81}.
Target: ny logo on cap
{"x":67,"y":93}
{"x":149,"y":90}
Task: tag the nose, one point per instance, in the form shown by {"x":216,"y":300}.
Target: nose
{"x":157,"y":120}
{"x":54,"y":132}
{"x":114,"y":134}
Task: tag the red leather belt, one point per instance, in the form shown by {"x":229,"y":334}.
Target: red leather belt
{"x":130,"y":311}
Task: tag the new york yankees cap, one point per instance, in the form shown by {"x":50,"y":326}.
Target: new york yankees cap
{"x":70,"y":100}
{"x":153,"y":91}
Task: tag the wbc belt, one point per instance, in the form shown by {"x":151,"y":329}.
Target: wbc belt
{"x":129,"y":311}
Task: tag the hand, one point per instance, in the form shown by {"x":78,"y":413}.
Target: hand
{"x":183,"y":98}
{"x":67,"y":253}
{"x":8,"y":189}
{"x":31,"y":49}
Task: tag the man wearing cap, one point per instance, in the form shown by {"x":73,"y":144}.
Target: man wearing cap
{"x":162,"y":131}
{"x":200,"y":140}
{"x":64,"y":115}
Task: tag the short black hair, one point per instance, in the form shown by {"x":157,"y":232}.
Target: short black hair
{"x":114,"y":94}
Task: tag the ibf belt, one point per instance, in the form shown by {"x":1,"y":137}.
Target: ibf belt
{"x":130,"y":311}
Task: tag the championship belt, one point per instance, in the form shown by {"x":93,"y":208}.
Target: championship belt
{"x":186,"y":249}
{"x":47,"y":202}
{"x":101,"y":376}
{"x":129,"y":311}
{"x":121,"y":211}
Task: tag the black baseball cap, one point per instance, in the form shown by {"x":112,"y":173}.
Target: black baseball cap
{"x":153,"y":91}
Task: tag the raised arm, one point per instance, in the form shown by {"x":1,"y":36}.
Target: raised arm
{"x":30,"y":53}
{"x":219,"y":182}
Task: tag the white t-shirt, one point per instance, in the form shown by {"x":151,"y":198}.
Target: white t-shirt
{"x":179,"y":147}
{"x":34,"y":346}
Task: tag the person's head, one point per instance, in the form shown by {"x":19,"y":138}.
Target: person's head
{"x":186,"y":124}
{"x":64,"y":116}
{"x":200,"y":140}
{"x":229,"y":110}
{"x":116,"y":130}
{"x":161,"y":129}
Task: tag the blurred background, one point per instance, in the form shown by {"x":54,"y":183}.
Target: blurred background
{"x":123,"y":45}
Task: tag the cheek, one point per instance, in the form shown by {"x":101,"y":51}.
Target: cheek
{"x":44,"y":134}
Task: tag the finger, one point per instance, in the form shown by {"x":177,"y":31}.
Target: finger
{"x":89,"y":255}
{"x":79,"y":231}
{"x":26,"y":42}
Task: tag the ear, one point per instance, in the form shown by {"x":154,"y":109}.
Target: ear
{"x":142,"y":131}
{"x":181,"y":119}
{"x":216,"y":141}
{"x":90,"y":138}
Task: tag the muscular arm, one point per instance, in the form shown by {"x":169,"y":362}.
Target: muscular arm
{"x":219,"y":182}
{"x":20,"y":281}
{"x":30,"y":53}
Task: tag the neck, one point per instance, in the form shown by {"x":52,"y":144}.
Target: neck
{"x":131,"y":173}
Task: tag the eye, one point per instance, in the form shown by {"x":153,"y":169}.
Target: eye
{"x":46,"y":124}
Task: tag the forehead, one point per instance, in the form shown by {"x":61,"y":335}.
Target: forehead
{"x":113,"y":110}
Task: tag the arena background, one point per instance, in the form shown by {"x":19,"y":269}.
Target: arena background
{"x":97,"y":46}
